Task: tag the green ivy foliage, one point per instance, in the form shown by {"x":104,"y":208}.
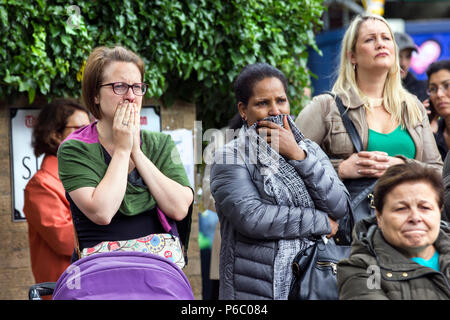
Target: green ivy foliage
{"x":193,"y":49}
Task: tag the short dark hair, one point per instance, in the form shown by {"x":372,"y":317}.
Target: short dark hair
{"x":407,"y":172}
{"x":250,"y":75}
{"x":437,"y":66}
{"x":236,"y":122}
{"x":52,"y":119}
{"x":96,"y":63}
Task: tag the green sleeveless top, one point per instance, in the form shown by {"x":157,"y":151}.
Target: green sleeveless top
{"x":398,"y":142}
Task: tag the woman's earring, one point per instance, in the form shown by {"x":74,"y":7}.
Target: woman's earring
{"x":354,"y":67}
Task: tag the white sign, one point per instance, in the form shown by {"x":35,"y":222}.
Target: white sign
{"x":150,"y":120}
{"x":23,"y":162}
{"x":185,"y":145}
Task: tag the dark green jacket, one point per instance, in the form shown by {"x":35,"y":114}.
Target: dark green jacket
{"x":376,"y":270}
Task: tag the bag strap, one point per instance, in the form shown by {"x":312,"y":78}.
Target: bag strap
{"x":348,"y":124}
{"x":75,"y":241}
{"x":357,"y":143}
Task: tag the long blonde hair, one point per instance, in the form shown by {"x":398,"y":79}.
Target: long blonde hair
{"x":394,"y":95}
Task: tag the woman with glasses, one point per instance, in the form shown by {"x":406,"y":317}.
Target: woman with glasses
{"x":439,"y":91}
{"x":50,"y":228}
{"x":118,"y":178}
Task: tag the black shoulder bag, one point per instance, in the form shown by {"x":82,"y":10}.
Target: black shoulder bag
{"x":360,"y":189}
{"x":315,"y":268}
{"x":314,"y":271}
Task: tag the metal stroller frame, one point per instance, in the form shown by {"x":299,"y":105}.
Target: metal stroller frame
{"x":38,"y":290}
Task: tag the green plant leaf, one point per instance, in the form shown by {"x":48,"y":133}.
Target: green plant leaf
{"x":193,"y":50}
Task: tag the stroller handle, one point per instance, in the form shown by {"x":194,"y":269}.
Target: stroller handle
{"x":41,"y":289}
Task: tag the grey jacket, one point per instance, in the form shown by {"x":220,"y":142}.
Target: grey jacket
{"x":376,"y":270}
{"x":446,"y":179}
{"x":252,"y":223}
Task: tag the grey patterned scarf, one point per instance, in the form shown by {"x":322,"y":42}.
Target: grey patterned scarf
{"x":282,"y":182}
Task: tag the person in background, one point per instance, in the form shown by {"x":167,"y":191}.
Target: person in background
{"x":273,"y":189}
{"x":433,"y":116}
{"x":406,"y":46}
{"x":446,"y":179}
{"x":207,"y":222}
{"x":439,"y":90}
{"x":403,"y":253}
{"x":46,"y":208}
{"x":392,"y":123}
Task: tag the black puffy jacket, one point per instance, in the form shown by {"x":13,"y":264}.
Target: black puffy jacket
{"x":252,"y":223}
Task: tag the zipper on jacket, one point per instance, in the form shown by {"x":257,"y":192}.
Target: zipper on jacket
{"x":328,"y":264}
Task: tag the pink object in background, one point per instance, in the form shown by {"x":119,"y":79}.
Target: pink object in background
{"x":429,"y":51}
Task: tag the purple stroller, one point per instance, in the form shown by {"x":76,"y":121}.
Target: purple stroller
{"x":123,"y":276}
{"x":120,"y":276}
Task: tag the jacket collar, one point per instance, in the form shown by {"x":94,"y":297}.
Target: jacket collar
{"x":353,"y":101}
{"x":393,"y":263}
{"x":50,"y":165}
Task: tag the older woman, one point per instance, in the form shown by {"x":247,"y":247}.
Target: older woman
{"x":273,"y":190}
{"x":117,"y":176}
{"x":403,"y":252}
{"x":439,"y":90}
{"x":392,"y":123}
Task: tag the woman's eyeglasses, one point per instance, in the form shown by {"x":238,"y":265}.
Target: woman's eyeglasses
{"x":433,"y":90}
{"x":121,"y":88}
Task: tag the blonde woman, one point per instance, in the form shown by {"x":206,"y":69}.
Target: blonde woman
{"x":392,"y":123}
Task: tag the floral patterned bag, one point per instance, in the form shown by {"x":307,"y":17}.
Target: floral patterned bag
{"x":164,"y":245}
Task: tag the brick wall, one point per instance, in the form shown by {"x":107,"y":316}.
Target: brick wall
{"x":182,"y":115}
{"x":15,"y":272}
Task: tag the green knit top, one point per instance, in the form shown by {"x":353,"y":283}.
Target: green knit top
{"x":81,"y":163}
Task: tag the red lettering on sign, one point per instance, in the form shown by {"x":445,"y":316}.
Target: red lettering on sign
{"x":29,"y":121}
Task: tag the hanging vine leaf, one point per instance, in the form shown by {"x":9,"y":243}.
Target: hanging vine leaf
{"x":193,"y":49}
